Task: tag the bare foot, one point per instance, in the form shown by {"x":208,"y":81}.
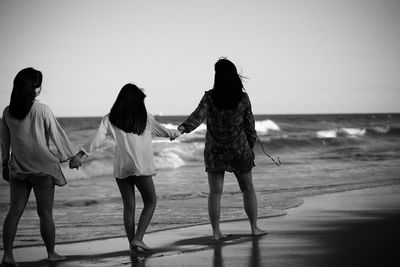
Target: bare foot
{"x":257,"y":232}
{"x":55,"y":257}
{"x":218,"y":236}
{"x":140,"y":244}
{"x":9,"y":261}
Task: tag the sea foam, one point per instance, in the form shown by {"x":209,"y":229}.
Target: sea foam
{"x":341,"y":132}
{"x":262,"y":127}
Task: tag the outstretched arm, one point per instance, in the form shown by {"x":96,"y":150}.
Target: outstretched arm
{"x":98,"y":138}
{"x":197,"y":117}
{"x":57,"y":135}
{"x":160,"y":131}
{"x":92,"y":145}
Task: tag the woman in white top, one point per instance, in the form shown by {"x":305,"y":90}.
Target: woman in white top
{"x":27,"y":128}
{"x":132,"y":128}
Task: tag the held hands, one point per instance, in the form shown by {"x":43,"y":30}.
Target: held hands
{"x":75,"y":162}
{"x":181,"y":129}
{"x":174,"y":134}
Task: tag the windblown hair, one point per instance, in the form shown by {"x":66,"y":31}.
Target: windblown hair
{"x":228,"y":87}
{"x":129,"y":112}
{"x":23,"y":93}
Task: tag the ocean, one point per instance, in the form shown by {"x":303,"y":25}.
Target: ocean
{"x":319,"y":153}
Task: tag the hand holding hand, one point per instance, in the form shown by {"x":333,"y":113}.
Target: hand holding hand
{"x":181,"y":129}
{"x":175,"y":134}
{"x":6,"y":173}
{"x":75,"y":162}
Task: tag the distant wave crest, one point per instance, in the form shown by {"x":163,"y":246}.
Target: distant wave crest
{"x":341,"y":132}
{"x":262,"y":127}
{"x":357,"y":132}
{"x":384,"y":130}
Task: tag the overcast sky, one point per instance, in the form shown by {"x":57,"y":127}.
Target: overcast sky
{"x":310,"y":56}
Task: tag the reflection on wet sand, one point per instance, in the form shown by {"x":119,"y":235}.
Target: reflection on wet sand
{"x":254,"y":259}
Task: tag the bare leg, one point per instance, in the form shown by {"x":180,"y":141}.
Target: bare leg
{"x":19,"y":195}
{"x":215,"y":183}
{"x":127,"y":189}
{"x":245,"y":181}
{"x":146,"y":188}
{"x":43,"y":187}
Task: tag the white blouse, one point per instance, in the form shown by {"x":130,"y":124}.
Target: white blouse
{"x":28,"y":140}
{"x":133,"y":153}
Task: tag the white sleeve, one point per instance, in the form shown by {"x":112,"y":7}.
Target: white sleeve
{"x":57,"y":135}
{"x":157,"y":129}
{"x":98,"y":138}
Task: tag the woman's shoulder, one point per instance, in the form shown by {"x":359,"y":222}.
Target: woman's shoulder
{"x":40,"y":106}
{"x":5,"y":111}
{"x":6,"y":114}
{"x":106,"y":119}
{"x":207,"y":94}
{"x":41,"y":109}
{"x":245,"y":98}
{"x":150,"y":119}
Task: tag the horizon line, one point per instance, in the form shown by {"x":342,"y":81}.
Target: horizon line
{"x":259,"y":114}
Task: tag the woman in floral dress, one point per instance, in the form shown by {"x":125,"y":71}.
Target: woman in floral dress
{"x":229,"y":143}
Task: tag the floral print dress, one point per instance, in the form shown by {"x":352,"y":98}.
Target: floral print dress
{"x":230,"y":135}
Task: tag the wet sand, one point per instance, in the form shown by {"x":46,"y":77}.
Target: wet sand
{"x":353,"y":228}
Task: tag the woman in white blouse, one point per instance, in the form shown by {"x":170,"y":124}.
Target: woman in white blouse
{"x":27,"y":128}
{"x":132,"y":128}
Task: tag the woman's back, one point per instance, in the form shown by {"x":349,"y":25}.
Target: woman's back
{"x":226,"y":124}
{"x":133,"y":152}
{"x":230,"y":134}
{"x":27,"y":136}
{"x":30,"y":138}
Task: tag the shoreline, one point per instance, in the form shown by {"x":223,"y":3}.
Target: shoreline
{"x":293,"y":203}
{"x":313,"y":231}
{"x":275,"y":213}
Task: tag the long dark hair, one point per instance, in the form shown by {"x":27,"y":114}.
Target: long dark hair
{"x":129,"y":112}
{"x":24,"y":92}
{"x":228,"y":86}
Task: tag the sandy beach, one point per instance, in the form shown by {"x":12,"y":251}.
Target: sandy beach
{"x":353,"y":228}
